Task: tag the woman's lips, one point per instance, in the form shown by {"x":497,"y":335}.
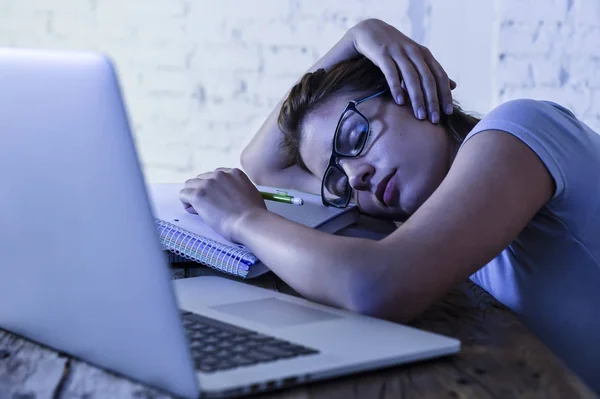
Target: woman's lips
{"x":390,"y":195}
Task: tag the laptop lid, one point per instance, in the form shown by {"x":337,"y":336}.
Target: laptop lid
{"x":81,"y":266}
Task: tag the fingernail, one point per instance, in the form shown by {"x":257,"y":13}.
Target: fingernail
{"x":435,"y":117}
{"x":421,"y":113}
{"x":449,"y":109}
{"x":400,"y":100}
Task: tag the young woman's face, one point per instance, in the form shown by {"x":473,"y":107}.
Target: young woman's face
{"x":403,"y":162}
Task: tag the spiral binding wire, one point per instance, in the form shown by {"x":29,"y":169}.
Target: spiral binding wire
{"x":203,"y":250}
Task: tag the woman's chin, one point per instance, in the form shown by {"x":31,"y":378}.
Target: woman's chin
{"x":400,"y":215}
{"x":407,"y":205}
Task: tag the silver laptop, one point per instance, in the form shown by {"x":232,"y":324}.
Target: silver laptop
{"x":82,"y":269}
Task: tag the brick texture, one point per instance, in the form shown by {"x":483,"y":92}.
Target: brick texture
{"x":551,"y":50}
{"x":200,"y":76}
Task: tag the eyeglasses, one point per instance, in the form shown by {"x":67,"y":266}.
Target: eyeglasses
{"x":351,"y":135}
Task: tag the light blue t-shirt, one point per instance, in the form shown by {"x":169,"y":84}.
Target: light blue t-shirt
{"x":550,"y":275}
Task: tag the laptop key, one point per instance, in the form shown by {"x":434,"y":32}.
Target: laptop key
{"x":198,"y":328}
{"x":196,"y":344}
{"x":205,"y":368}
{"x":242,"y":360}
{"x":261,"y":356}
{"x":211,"y":330}
{"x":239,"y":348}
{"x":224,"y":334}
{"x":263,"y":341}
{"x":306,"y":351}
{"x":238,"y":339}
{"x":209,"y":348}
{"x":195,"y":334}
{"x":275,"y":351}
{"x":258,"y":337}
{"x":222,"y":354}
{"x":279,"y":342}
{"x":297,"y":349}
{"x":225,"y":344}
{"x":209,"y":359}
{"x":211,"y":339}
{"x":207,"y":321}
{"x":226,"y":364}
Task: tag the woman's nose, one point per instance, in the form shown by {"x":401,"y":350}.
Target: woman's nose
{"x":359,"y":173}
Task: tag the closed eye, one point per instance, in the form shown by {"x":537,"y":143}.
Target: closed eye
{"x":352,"y":136}
{"x":336,"y":187}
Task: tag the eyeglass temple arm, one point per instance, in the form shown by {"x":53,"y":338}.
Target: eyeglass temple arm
{"x":371,"y":96}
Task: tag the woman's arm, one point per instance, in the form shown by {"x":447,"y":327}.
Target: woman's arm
{"x":262,"y":159}
{"x":494,"y":188}
{"x":403,"y":62}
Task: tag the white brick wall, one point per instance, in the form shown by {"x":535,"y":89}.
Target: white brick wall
{"x":550,"y":49}
{"x":200,"y":76}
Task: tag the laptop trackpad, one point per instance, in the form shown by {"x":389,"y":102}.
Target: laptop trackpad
{"x":275,"y":312}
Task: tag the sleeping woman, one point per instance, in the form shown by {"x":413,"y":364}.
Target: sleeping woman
{"x":510,"y":200}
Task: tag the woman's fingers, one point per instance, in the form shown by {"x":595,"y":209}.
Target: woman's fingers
{"x":413,"y":84}
{"x":403,"y":61}
{"x":392,"y":76}
{"x":444,"y":83}
{"x":428,"y":84}
{"x":189,"y":209}
{"x":185,"y":196}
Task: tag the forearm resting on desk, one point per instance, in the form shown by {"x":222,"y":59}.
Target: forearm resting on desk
{"x":345,"y":272}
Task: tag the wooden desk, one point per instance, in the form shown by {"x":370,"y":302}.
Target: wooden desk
{"x":499,"y":359}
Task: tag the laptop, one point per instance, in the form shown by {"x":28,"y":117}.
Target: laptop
{"x":82,"y":269}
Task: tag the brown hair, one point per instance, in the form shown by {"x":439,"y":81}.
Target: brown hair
{"x":358,"y":75}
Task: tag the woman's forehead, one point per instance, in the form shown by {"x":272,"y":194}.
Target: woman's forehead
{"x":316,"y":143}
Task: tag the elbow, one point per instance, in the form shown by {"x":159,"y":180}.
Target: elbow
{"x":380,"y":299}
{"x":249,"y":166}
{"x":245,"y":158}
{"x":396,"y":313}
{"x":246,"y":161}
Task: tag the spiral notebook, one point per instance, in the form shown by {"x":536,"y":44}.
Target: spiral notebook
{"x":185,"y":235}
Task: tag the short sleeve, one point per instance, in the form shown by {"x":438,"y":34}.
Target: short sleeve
{"x":568,"y":148}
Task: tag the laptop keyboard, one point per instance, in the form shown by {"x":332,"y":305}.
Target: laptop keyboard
{"x":221,"y":346}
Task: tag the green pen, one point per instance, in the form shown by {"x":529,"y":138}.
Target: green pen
{"x":282,"y":198}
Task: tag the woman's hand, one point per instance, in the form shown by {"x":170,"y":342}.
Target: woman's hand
{"x":221,"y":198}
{"x":405,"y":64}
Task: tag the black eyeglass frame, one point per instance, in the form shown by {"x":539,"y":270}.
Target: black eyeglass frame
{"x":335,"y":155}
